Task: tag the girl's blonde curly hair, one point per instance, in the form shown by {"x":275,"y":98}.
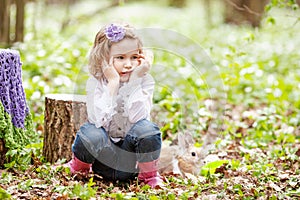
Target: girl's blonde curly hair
{"x":101,"y":49}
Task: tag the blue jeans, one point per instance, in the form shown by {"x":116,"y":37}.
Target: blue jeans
{"x":117,"y":161}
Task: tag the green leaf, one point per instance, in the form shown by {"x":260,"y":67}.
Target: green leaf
{"x":119,"y":196}
{"x":146,"y":187}
{"x":271,"y":20}
{"x":210,"y":168}
{"x":268,"y":7}
{"x":153,"y":197}
{"x":235,"y":164}
{"x":171,"y":197}
{"x":3,"y":194}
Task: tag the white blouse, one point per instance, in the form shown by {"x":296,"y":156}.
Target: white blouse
{"x":117,"y":115}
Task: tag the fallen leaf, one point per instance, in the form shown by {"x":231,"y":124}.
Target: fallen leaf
{"x":274,"y":186}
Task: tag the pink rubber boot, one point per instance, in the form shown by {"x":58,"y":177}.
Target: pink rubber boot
{"x":76,"y":165}
{"x":149,"y":173}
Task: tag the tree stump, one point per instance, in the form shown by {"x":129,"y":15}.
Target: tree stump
{"x":64,"y":114}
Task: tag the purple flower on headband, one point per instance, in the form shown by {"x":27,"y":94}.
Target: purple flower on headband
{"x":115,"y":33}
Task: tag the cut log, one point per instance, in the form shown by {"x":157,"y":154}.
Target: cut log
{"x":64,"y":114}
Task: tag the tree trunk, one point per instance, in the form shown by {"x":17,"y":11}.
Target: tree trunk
{"x":48,"y":2}
{"x":64,"y":114}
{"x":20,"y":4}
{"x":244,"y":11}
{"x":3,"y":151}
{"x":177,"y":3}
{"x":208,"y":15}
{"x":5,"y":21}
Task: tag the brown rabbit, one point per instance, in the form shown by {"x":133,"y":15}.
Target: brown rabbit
{"x":180,"y":158}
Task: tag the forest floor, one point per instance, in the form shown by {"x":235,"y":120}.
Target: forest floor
{"x":247,"y":167}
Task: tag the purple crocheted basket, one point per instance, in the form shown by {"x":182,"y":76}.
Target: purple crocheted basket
{"x":11,"y":90}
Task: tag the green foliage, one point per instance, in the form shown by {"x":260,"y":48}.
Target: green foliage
{"x":4,"y":195}
{"x":21,"y":158}
{"x":289,"y":4}
{"x":281,"y":4}
{"x":85,"y":192}
{"x":17,"y":140}
{"x":16,"y":137}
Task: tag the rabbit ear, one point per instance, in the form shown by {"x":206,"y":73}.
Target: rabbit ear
{"x":185,"y":140}
{"x":181,"y":140}
{"x":189,"y":139}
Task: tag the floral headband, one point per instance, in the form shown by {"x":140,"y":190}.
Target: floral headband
{"x":114,"y":33}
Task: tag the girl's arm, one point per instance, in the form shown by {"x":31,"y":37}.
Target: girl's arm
{"x":112,"y":77}
{"x":100,"y":103}
{"x":101,"y":96}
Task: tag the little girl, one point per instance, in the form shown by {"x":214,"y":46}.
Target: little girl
{"x":118,"y":142}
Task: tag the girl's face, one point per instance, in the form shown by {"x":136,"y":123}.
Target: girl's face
{"x":126,"y":54}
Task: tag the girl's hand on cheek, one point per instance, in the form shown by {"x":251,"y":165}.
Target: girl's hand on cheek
{"x":144,"y":66}
{"x":149,"y":56}
{"x":110,"y":72}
